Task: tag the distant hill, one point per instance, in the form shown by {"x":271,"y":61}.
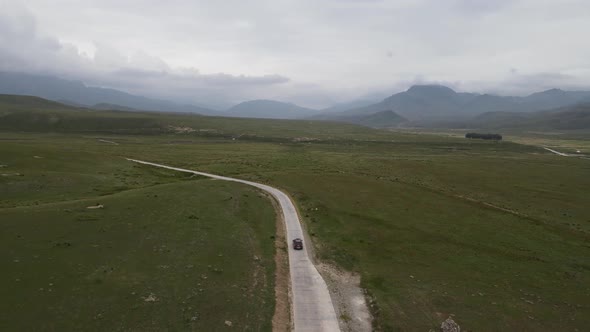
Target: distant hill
{"x":33,"y":114}
{"x":269,"y":109}
{"x":382,"y":119}
{"x":28,"y":113}
{"x":419,"y":102}
{"x":342,"y":107}
{"x":113,"y":107}
{"x":555,"y":98}
{"x":17,"y":102}
{"x":437,"y":102}
{"x":565,"y":118}
{"x":77,"y":93}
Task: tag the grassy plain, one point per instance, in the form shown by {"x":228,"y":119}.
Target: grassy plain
{"x":167,"y":252}
{"x":496,"y":234}
{"x":568,"y":141}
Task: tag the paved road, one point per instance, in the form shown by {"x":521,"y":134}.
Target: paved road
{"x":311,"y":303}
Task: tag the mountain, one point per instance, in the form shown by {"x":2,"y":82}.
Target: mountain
{"x":269,"y":109}
{"x":113,"y":107}
{"x":555,"y":98}
{"x":382,"y":119}
{"x":11,"y":102}
{"x":342,"y":107}
{"x":564,"y":118}
{"x":28,"y":113}
{"x":421,"y":101}
{"x":77,"y":93}
{"x":431,"y":103}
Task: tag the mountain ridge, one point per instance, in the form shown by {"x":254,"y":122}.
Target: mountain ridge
{"x":266,"y":108}
{"x":77,"y":93}
{"x":564,"y":118}
{"x":437,"y":102}
{"x":419,"y":104}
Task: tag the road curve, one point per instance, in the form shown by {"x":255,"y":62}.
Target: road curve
{"x":311,"y":303}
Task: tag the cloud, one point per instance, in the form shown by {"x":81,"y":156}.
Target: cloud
{"x":482,"y":7}
{"x":302,"y":51}
{"x":523,"y":84}
{"x":20,"y":43}
{"x":23,"y":48}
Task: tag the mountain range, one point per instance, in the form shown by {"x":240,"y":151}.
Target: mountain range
{"x":432,"y":103}
{"x":77,"y":93}
{"x":420,"y":105}
{"x":564,"y":118}
{"x":381,"y":119}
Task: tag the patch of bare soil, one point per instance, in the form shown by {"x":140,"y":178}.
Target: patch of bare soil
{"x":348,"y":297}
{"x":281,"y":320}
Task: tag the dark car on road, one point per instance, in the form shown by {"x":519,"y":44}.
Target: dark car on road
{"x":298,"y":244}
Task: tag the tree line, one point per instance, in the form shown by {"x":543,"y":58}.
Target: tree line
{"x":496,"y":137}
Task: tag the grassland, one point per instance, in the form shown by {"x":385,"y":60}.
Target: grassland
{"x":166,"y":252}
{"x":569,"y":141}
{"x":496,"y":234}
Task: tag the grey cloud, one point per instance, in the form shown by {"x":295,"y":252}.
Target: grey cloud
{"x":24,"y":48}
{"x":482,"y":6}
{"x":225,"y":79}
{"x":524,"y":84}
{"x":324,"y":50}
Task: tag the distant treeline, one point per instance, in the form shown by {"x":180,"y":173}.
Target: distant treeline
{"x":496,"y":137}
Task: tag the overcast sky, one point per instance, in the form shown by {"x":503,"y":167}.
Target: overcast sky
{"x":313,"y":52}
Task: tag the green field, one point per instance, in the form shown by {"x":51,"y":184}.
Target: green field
{"x":167,"y":252}
{"x":496,"y":234}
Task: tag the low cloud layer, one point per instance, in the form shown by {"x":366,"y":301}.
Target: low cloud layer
{"x":25,"y":48}
{"x":310,"y":52}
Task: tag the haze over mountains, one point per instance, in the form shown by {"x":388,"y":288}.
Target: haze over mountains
{"x":269,"y":109}
{"x":420,"y":105}
{"x":380,"y":119}
{"x":77,"y":93}
{"x":437,"y":103}
{"x":571,"y":117}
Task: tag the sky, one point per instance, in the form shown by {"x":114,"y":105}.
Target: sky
{"x":311,"y":52}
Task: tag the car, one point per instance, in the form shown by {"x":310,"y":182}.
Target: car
{"x":297,"y":244}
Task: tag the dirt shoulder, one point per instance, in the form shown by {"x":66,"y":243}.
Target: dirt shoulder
{"x":348,"y":297}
